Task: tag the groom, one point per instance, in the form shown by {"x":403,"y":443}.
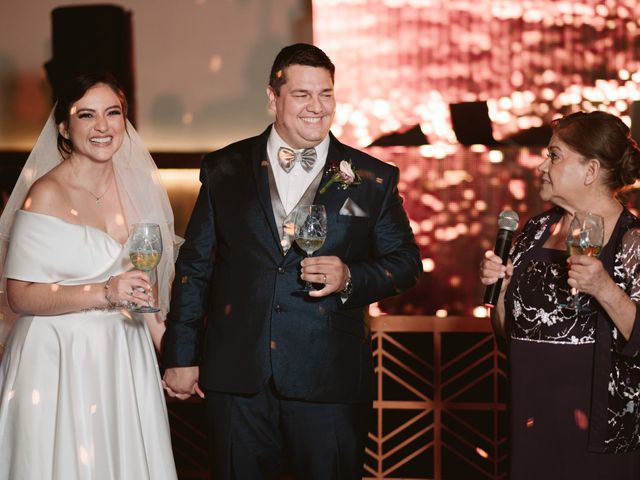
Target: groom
{"x":287,"y":378}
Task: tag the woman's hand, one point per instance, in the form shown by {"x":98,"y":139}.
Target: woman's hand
{"x":492,"y":269}
{"x":30,"y":298}
{"x":133,"y":286}
{"x":587,"y":275}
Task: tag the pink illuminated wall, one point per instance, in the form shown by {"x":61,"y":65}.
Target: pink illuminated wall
{"x":401,"y":62}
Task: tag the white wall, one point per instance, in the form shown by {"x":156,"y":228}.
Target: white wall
{"x":201,"y":67}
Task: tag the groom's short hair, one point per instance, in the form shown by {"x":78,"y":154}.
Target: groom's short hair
{"x":298,"y":54}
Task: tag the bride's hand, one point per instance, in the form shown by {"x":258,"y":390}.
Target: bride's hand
{"x":133,"y":286}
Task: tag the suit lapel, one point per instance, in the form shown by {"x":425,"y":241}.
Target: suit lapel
{"x":333,"y":198}
{"x":260,"y":166}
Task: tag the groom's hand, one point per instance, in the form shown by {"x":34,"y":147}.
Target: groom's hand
{"x":182,"y":382}
{"x":330,"y":271}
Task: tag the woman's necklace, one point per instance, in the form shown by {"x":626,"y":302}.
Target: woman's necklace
{"x":98,"y":198}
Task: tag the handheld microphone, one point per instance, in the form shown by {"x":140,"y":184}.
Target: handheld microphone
{"x":507,"y":224}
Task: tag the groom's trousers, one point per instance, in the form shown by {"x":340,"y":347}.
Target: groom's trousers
{"x":265,"y":435}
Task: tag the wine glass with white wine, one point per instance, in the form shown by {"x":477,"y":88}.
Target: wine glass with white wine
{"x":145,"y":250}
{"x":585,"y":237}
{"x":310,"y":231}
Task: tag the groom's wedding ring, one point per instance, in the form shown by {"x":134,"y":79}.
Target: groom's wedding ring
{"x":324,"y":278}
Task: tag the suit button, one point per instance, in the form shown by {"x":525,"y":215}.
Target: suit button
{"x":277,"y":308}
{"x":280,"y":270}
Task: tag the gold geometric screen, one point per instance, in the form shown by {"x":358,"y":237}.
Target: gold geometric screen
{"x":440,"y":405}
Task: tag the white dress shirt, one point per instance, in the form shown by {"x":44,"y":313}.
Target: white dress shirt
{"x":291,"y":186}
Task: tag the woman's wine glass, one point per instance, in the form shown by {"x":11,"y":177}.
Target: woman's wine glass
{"x":310,"y":231}
{"x":585,"y":237}
{"x":145,"y":250}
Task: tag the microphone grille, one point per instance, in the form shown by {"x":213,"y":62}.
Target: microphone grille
{"x":508,"y":220}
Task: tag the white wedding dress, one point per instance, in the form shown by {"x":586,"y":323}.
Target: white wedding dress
{"x":80,"y":393}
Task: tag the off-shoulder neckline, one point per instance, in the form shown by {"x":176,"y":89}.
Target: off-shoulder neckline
{"x":81,"y":225}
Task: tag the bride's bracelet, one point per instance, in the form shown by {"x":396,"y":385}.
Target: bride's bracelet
{"x":107,"y":293}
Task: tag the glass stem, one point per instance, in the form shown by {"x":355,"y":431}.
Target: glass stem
{"x":308,"y":286}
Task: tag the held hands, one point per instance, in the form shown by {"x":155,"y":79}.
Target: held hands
{"x":328,"y":270}
{"x":587,"y":274}
{"x":491,"y":269}
{"x":133,"y":286}
{"x":182,"y":382}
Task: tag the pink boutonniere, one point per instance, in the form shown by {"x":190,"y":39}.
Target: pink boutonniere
{"x":344,"y":174}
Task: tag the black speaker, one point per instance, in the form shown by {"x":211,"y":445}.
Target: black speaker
{"x":531,"y":137}
{"x":411,"y":137}
{"x":92,"y":38}
{"x":471,"y":123}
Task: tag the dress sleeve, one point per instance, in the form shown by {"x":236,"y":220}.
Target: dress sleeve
{"x":629,"y":256}
{"x":31,"y":250}
{"x":46,"y":249}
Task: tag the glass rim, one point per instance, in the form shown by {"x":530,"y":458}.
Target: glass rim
{"x":145,"y":224}
{"x":586,"y":213}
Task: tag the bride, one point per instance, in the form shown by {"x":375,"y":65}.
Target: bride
{"x":80,"y":393}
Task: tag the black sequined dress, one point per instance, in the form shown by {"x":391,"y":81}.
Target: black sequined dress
{"x":551,"y":365}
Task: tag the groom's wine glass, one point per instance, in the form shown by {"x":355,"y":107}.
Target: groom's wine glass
{"x":145,"y":250}
{"x":310,"y":230}
{"x":585,"y":237}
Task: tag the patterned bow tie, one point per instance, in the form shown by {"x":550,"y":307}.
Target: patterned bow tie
{"x":288,"y":157}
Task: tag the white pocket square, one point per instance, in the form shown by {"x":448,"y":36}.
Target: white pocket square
{"x":352,"y":209}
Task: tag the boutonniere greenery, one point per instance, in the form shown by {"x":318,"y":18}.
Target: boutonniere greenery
{"x":343,"y":174}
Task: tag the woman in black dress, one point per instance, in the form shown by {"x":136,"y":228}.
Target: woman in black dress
{"x":575,"y":371}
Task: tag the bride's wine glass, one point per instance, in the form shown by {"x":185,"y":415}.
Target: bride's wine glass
{"x":310,"y":231}
{"x":585,"y":237}
{"x":145,"y":250}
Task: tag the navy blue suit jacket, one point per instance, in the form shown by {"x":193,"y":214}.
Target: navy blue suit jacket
{"x":232,"y":273}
